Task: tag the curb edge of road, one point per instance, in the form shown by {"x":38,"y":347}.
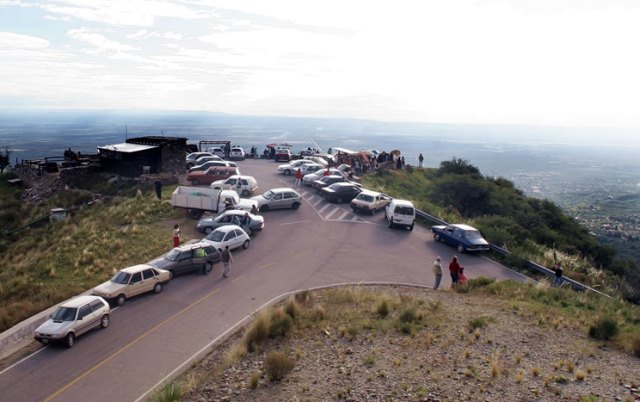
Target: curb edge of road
{"x":200,"y":354}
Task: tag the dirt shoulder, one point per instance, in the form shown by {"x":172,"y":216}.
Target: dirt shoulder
{"x":459,"y":347}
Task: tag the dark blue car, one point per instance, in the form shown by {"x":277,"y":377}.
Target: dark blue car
{"x":463,"y":237}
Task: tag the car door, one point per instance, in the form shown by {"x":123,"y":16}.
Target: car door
{"x":230,"y":183}
{"x":84,"y":319}
{"x":277,"y":201}
{"x":183,"y":263}
{"x":149,"y":279}
{"x":136,"y":285}
{"x":230,"y":239}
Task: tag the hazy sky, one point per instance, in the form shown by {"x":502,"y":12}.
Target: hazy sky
{"x":546,"y":62}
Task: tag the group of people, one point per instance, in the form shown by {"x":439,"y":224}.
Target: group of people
{"x":455,"y":270}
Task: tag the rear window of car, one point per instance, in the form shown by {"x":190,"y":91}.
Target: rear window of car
{"x":365,"y":197}
{"x":403,"y":210}
{"x":96,"y":305}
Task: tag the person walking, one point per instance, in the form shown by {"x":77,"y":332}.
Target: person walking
{"x":420,"y":160}
{"x":462,"y":278}
{"x":454,"y":269}
{"x":226,"y":259}
{"x":437,"y":271}
{"x":176,"y":235}
{"x":158,"y":187}
{"x":557,"y":269}
{"x":298,"y":177}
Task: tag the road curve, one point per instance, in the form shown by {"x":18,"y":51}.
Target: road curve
{"x":150,"y":336}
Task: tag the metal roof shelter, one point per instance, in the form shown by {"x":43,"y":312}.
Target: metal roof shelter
{"x":141,"y":155}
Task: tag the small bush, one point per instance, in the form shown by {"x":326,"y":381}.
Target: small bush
{"x":277,"y":365}
{"x":560,"y":379}
{"x":580,"y":375}
{"x":171,"y":392}
{"x":281,"y":323}
{"x":408,"y":315}
{"x":604,"y":329}
{"x":292,"y":308}
{"x":478,"y":322}
{"x":255,"y":378}
{"x":257,"y":333}
{"x":636,"y":346}
{"x":383,"y":309}
{"x":407,"y":328}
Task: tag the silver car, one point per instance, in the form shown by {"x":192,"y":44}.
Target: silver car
{"x":73,"y":318}
{"x":232,"y":217}
{"x":278,"y":198}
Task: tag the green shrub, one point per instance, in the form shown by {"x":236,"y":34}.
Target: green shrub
{"x":407,"y":328}
{"x":277,"y":365}
{"x":255,"y":378}
{"x":171,"y":392}
{"x":257,"y":333}
{"x":408,"y":315}
{"x":280,"y":323}
{"x":604,"y":329}
{"x":383,"y":309}
{"x":478,"y":322}
{"x":292,"y":308}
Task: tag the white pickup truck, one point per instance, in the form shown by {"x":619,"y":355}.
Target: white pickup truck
{"x":197,"y":200}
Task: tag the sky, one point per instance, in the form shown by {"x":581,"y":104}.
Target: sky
{"x":539,"y":62}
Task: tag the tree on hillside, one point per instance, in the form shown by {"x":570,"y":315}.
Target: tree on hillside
{"x":5,"y":160}
{"x":458,"y":166}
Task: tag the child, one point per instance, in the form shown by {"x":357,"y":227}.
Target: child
{"x":462,"y":278}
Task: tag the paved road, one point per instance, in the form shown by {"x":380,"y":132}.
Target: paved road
{"x":151,"y":336}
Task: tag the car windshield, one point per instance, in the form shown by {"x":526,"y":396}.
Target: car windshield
{"x":401,"y":210}
{"x":365,"y":197}
{"x":121,"y":278}
{"x":64,"y":314}
{"x":268,"y":195}
{"x":172,"y":255}
{"x":472,"y":234}
{"x":215,"y":236}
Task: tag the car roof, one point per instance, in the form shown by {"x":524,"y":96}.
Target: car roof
{"x":369,"y":192}
{"x":136,"y":268}
{"x":79,"y":301}
{"x":227,"y":228}
{"x":189,"y":246}
{"x":344,"y":184}
{"x":281,"y":189}
{"x":403,"y":202}
{"x":463,"y":226}
{"x":240,"y":176}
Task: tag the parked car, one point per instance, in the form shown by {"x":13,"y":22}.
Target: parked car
{"x":132,"y":281}
{"x":248,"y":185}
{"x":72,"y":319}
{"x":369,"y":202}
{"x":188,"y":258}
{"x":191,"y":158}
{"x":310,"y":168}
{"x":340,"y":192}
{"x":208,"y":164}
{"x":231,"y":217}
{"x":290,"y":168}
{"x":463,"y":237}
{"x":236,"y":153}
{"x":400,"y":213}
{"x":217,"y":151}
{"x":311,"y":177}
{"x":212,"y":174}
{"x":325,"y":181}
{"x":277,"y":198}
{"x":229,"y":235}
{"x":282,"y":154}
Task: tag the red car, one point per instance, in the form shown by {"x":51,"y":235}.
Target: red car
{"x":210,"y":175}
{"x":282,"y":154}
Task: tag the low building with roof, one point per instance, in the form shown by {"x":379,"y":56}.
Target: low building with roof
{"x":144,"y":155}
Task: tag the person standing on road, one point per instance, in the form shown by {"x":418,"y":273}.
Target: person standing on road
{"x":176,"y":235}
{"x":437,"y":271}
{"x":454,"y":269}
{"x":226,"y":259}
{"x":420,"y":160}
{"x":298,"y":177}
{"x":557,"y":269}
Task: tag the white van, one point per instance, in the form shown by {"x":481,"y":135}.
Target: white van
{"x":400,"y":213}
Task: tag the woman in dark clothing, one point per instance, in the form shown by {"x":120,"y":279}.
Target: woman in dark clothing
{"x":454,"y":269}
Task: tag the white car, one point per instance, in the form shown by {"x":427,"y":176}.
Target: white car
{"x":400,"y":213}
{"x":216,"y":151}
{"x":317,"y":175}
{"x":190,"y":160}
{"x":236,"y":153}
{"x":290,"y":168}
{"x":73,"y":318}
{"x":132,"y":281}
{"x":248,"y":184}
{"x":229,"y":235}
{"x":369,"y":201}
{"x":311,"y":168}
{"x":278,"y":198}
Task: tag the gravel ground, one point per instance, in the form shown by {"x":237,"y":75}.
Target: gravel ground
{"x":518,"y":356}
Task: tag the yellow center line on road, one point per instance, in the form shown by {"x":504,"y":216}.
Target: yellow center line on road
{"x":237,"y":278}
{"x":271,"y":264}
{"x":127,"y":346}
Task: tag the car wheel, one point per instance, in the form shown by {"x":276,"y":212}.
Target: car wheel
{"x":104,"y":321}
{"x":391,"y":222}
{"x":460,"y":248}
{"x":120,"y":300}
{"x":410,"y":227}
{"x":195,"y":182}
{"x":172,"y":274}
{"x":436,"y":237}
{"x":295,"y":205}
{"x":208,"y":267}
{"x":249,"y":231}
{"x":157,"y":288}
{"x":245,"y":245}
{"x":208,"y":229}
{"x":245,"y":193}
{"x":287,"y":172}
{"x":264,"y":208}
{"x":70,"y":340}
